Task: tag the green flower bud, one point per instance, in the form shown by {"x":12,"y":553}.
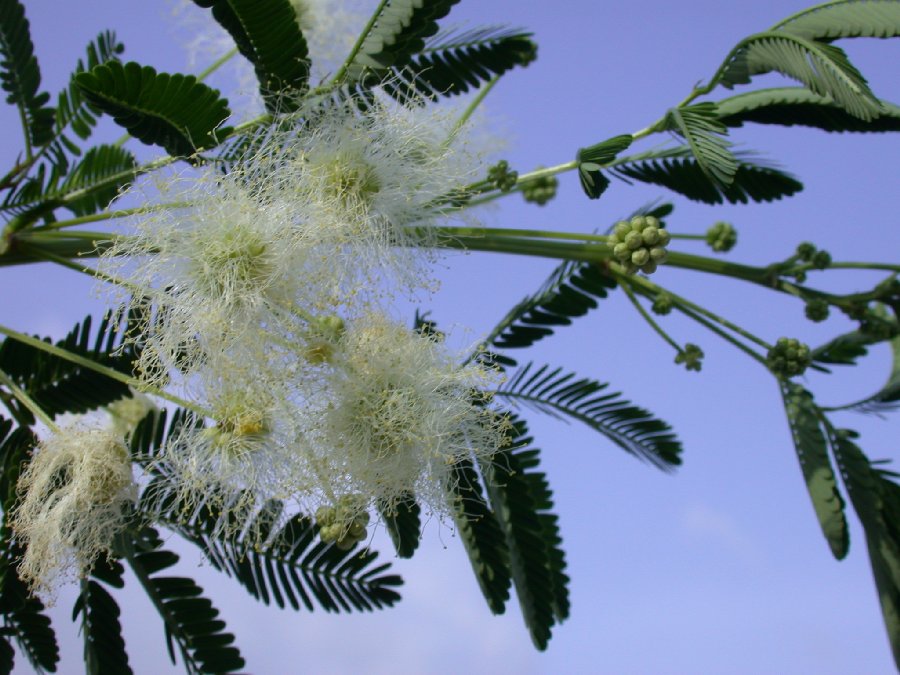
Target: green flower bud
{"x":691,"y":356}
{"x":658,"y":254}
{"x":662,"y":304}
{"x":806,"y":251}
{"x":788,"y":357}
{"x":821,"y":260}
{"x":633,"y":240}
{"x":664,"y":237}
{"x":541,"y":190}
{"x":721,"y":237}
{"x":651,"y":221}
{"x":640,"y":257}
{"x":621,"y":252}
{"x":621,"y":230}
{"x":816,"y":310}
{"x":650,"y":235}
{"x":649,"y":267}
{"x":638,"y":224}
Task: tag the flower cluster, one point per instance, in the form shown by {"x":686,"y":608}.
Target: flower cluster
{"x":639,"y":244}
{"x":264,"y":291}
{"x":74,"y":498}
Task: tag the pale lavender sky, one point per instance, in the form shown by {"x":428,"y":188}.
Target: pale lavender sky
{"x":720,"y":568}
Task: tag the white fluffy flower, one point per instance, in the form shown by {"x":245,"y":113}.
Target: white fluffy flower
{"x":74,"y":495}
{"x":313,"y":220}
{"x":401,"y":411}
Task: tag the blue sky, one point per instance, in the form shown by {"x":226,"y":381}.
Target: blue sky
{"x":719,"y":568}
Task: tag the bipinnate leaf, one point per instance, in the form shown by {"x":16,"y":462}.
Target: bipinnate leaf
{"x":60,"y":386}
{"x":593,"y":158}
{"x":812,"y":451}
{"x":480,"y":532}
{"x":98,"y":176}
{"x":104,"y":646}
{"x":822,"y":68}
{"x":522,"y":500}
{"x":704,"y":134}
{"x":294,"y":568}
{"x":845,"y":19}
{"x":563,"y":395}
{"x":395,"y":33}
{"x":191,"y":621}
{"x":570,"y":291}
{"x":790,"y":106}
{"x":404,"y":526}
{"x":752,"y":181}
{"x":176,"y":112}
{"x":454,"y":63}
{"x":876,"y":499}
{"x":20,"y":75}
{"x":268,"y":34}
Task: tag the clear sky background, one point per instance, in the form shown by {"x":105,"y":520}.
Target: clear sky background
{"x":719,"y":568}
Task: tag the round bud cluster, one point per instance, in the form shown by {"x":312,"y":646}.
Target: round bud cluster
{"x":691,"y":356}
{"x":789,"y":357}
{"x":817,"y":310}
{"x":344,"y":524}
{"x":721,"y":237}
{"x":639,"y":244}
{"x":818,"y":260}
{"x":806,"y":251}
{"x":541,"y":190}
{"x":821,"y":260}
{"x":502,"y":177}
{"x":662,"y":304}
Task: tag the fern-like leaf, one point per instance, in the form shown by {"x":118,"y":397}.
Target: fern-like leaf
{"x":824,"y":69}
{"x":293,"y":567}
{"x":789,"y":106}
{"x":522,"y":501}
{"x":59,"y":386}
{"x":175,"y":112}
{"x":751,"y":181}
{"x":266,"y":32}
{"x":571,"y":290}
{"x":562,"y":395}
{"x":845,"y":19}
{"x":404,"y":526}
{"x":20,"y":75}
{"x":296,"y":566}
{"x":812,"y":450}
{"x":705,"y":136}
{"x":104,"y":647}
{"x":876,"y":500}
{"x":454,"y":63}
{"x":73,"y":113}
{"x":396,"y":32}
{"x":593,"y":158}
{"x":101,"y":174}
{"x":479,"y":529}
{"x":191,"y":621}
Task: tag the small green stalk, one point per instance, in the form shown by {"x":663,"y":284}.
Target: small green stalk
{"x":28,"y":402}
{"x":625,"y":281}
{"x":342,"y":71}
{"x":108,"y":215}
{"x":653,"y":289}
{"x":111,"y":373}
{"x":470,"y":110}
